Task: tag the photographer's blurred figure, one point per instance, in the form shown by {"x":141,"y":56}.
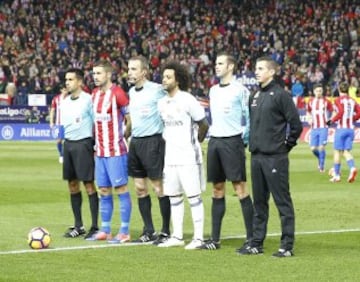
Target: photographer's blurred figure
{"x":55,"y":118}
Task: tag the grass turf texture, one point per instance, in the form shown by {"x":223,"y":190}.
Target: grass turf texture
{"x":33,"y":194}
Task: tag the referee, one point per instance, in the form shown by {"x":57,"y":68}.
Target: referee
{"x":147,"y":148}
{"x":275,"y":127}
{"x":77,"y":120}
{"x":226,"y":153}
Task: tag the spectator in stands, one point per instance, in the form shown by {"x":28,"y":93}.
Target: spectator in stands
{"x":22,"y":94}
{"x":326,"y":37}
{"x":354,"y":87}
{"x":297,"y":91}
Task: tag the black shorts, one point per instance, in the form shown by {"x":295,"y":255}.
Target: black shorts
{"x":146,"y":157}
{"x":226,"y":159}
{"x":79,"y":160}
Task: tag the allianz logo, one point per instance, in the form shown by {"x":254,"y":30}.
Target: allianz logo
{"x":7,"y":132}
{"x":33,"y":132}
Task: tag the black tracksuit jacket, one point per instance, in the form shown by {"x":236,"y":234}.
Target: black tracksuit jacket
{"x":275,"y":124}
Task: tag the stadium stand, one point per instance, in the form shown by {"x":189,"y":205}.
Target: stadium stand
{"x":313,"y":41}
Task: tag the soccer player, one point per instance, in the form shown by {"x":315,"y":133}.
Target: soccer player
{"x":185,"y":126}
{"x":147,"y":147}
{"x":275,"y":127}
{"x":55,"y":118}
{"x":77,"y":119}
{"x":319,"y":108}
{"x":347,"y":111}
{"x":226,"y":148}
{"x":110,"y":111}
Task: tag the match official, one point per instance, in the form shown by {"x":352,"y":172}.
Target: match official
{"x":275,"y":127}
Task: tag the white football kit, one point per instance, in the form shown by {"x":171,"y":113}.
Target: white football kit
{"x":183,"y":171}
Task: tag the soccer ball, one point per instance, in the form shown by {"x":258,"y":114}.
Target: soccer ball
{"x":39,"y":238}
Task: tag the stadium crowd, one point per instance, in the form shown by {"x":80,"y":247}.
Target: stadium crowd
{"x":313,"y":41}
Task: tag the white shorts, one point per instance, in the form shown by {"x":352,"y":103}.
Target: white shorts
{"x":188,"y":179}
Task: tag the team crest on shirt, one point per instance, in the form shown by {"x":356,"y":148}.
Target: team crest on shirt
{"x":254,"y":101}
{"x":170,"y":113}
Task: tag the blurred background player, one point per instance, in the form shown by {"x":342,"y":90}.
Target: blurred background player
{"x":185,"y":126}
{"x":347,"y":111}
{"x":110,"y":111}
{"x":77,"y":120}
{"x":55,"y":118}
{"x":147,"y":148}
{"x":319,"y":109}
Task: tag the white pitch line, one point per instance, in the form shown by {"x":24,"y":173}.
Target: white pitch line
{"x":299,"y":233}
{"x":72,"y":248}
{"x":141,"y":244}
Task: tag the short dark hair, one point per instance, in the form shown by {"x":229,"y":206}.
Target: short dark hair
{"x":78,"y":73}
{"x":229,"y":58}
{"x":317,"y":85}
{"x":143,"y":61}
{"x":182,"y":75}
{"x":271,"y":63}
{"x":105,"y":64}
{"x":344,"y":87}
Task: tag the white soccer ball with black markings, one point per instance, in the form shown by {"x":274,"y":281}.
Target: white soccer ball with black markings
{"x":39,"y":238}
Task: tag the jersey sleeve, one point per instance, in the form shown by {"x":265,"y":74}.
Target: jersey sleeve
{"x":308,"y":106}
{"x":53,"y":102}
{"x":122,"y":98}
{"x":356,"y":112}
{"x":292,"y":117}
{"x":196,"y":111}
{"x":339,"y":108}
{"x":245,"y":115}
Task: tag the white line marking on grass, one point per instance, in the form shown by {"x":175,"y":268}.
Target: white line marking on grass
{"x":72,"y":248}
{"x":299,"y":233}
{"x":142,"y":244}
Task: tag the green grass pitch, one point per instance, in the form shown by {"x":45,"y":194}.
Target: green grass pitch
{"x":32,"y":193}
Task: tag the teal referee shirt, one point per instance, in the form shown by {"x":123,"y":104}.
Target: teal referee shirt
{"x":77,"y":117}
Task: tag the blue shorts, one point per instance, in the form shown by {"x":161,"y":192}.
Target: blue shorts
{"x":111,"y":171}
{"x":318,"y":137}
{"x":344,"y":138}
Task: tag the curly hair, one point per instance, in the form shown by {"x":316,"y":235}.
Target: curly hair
{"x":182,"y":75}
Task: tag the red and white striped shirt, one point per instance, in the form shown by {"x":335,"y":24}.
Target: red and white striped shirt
{"x":320,"y":110}
{"x":55,"y":104}
{"x":110,"y":107}
{"x":347,"y":112}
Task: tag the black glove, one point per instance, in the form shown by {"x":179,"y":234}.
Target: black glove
{"x":289,"y":145}
{"x":329,"y":122}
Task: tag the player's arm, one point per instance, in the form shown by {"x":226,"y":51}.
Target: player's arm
{"x":309,"y":112}
{"x":122,"y":100}
{"x":338,"y":113}
{"x":357,"y":112}
{"x":127,"y":132}
{"x":51,"y":116}
{"x":203,"y":129}
{"x":245,"y":116}
{"x":291,"y":113}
